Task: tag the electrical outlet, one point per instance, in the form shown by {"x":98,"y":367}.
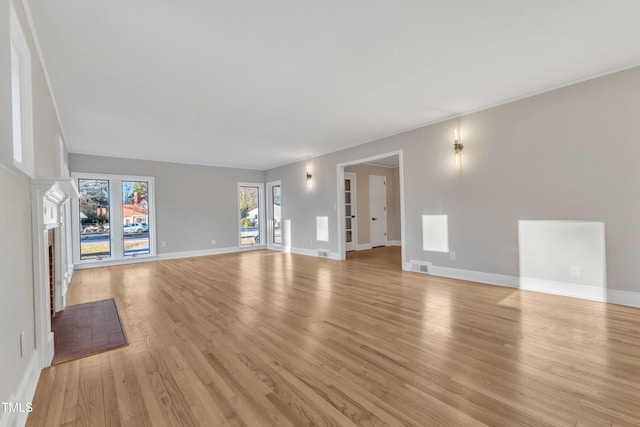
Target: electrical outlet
{"x":164,"y":244}
{"x":452,"y":256}
{"x":575,"y":271}
{"x":213,"y":242}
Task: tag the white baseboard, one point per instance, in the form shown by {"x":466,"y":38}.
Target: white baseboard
{"x":69,"y":273}
{"x":366,"y":246}
{"x":306,"y":252}
{"x":207,"y":252}
{"x":574,"y":290}
{"x":593,"y":293}
{"x":303,"y":251}
{"x":563,"y":288}
{"x":475,"y":276}
{"x":48,"y":351}
{"x":616,"y":296}
{"x":24,"y":394}
{"x":172,"y":255}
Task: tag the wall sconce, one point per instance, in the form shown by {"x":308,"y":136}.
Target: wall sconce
{"x":457,"y":147}
{"x":308,"y":176}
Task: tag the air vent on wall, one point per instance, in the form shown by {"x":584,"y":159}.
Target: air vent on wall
{"x":419,"y":268}
{"x":323,"y":253}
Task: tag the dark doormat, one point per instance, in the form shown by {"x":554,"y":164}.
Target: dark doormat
{"x":85,"y":329}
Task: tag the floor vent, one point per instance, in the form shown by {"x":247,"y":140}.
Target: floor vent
{"x":323,"y":253}
{"x":420,"y":268}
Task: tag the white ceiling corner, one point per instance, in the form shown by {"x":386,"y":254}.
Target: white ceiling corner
{"x":261,"y":84}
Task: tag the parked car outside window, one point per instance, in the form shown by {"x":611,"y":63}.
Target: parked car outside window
{"x":133,"y":228}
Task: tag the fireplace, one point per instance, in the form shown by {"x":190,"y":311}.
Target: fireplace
{"x":50,"y":273}
{"x":52,"y":270}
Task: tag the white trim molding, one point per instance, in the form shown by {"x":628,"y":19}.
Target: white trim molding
{"x":306,"y":252}
{"x":475,"y":276}
{"x":117,"y":251}
{"x":43,"y":65}
{"x":172,"y":255}
{"x":21,"y":96}
{"x":563,"y":288}
{"x":364,"y":247}
{"x":574,"y":290}
{"x":340,"y":211}
{"x":631,"y":299}
{"x":24,"y":395}
{"x":261,"y":213}
{"x":47,"y":197}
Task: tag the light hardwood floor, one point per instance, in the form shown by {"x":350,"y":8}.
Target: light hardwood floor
{"x":267,"y":338}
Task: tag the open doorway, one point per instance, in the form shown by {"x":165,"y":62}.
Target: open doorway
{"x":351,"y":215}
{"x":370,"y":205}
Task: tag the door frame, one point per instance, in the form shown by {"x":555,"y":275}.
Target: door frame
{"x":340,"y":202}
{"x":354,"y":211}
{"x":371,"y":179}
{"x":261,"y":213}
{"x":269,"y":210}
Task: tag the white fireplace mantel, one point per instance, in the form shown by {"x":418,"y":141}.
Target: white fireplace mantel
{"x":48,"y":195}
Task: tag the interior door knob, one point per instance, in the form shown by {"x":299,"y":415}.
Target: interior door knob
{"x":373,"y":219}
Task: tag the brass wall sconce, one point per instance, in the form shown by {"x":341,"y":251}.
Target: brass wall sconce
{"x":457,"y":147}
{"x":308,"y":176}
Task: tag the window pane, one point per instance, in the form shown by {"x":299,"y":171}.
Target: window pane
{"x":95,"y":236}
{"x":249,"y":215}
{"x":276,"y":215}
{"x":135,"y":217}
{"x":16,"y":104}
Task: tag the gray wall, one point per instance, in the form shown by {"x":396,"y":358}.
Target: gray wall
{"x":362,"y":173}
{"x":567,"y":154}
{"x":16,"y":280}
{"x":194,"y":204}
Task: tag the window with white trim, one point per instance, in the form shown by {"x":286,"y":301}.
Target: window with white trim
{"x":21,"y":102}
{"x":274,"y":213}
{"x":114,"y":217}
{"x":251,"y":218}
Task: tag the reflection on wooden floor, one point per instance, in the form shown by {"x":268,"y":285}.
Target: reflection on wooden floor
{"x":268,"y":338}
{"x":387,"y":257}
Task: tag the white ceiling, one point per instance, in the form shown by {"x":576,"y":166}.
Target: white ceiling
{"x":387,"y":162}
{"x":263,"y":83}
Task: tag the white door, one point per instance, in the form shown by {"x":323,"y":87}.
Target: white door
{"x":350,"y":211}
{"x":378,"y":209}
